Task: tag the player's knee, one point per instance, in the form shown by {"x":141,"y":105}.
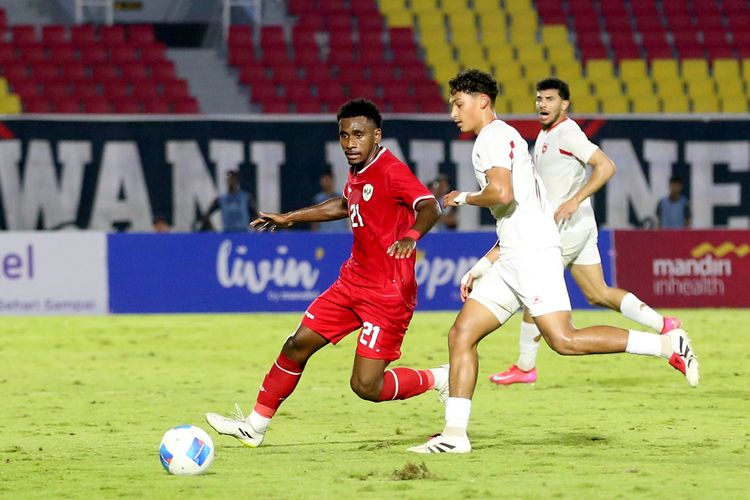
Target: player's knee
{"x":562,"y":343}
{"x":597,"y":298}
{"x":296,"y":349}
{"x":369,"y":390}
{"x":460,"y":336}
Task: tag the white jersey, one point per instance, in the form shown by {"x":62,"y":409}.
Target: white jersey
{"x":560,"y":156}
{"x":526,"y":224}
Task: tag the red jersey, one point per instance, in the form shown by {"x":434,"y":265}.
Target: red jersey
{"x":381,"y":199}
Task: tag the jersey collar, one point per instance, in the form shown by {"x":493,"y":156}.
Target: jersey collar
{"x":383,"y":149}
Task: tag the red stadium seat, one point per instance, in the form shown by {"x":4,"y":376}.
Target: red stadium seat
{"x":69,"y":105}
{"x":7,"y":54}
{"x":239,"y":57}
{"x":176,"y":89}
{"x":45,"y":73}
{"x":64,"y":54}
{"x":158,"y":105}
{"x":94,"y":55}
{"x":163,"y":71}
{"x":85,"y":91}
{"x":319,"y":73}
{"x":112,"y":35}
{"x":272,"y":56}
{"x":74,"y":72}
{"x":123,"y":55}
{"x":402,"y":39}
{"x":409,"y":105}
{"x":272,"y":36}
{"x":586,"y":24}
{"x":397,"y":91}
{"x":297,"y":92}
{"x":314,"y":21}
{"x":126,"y":105}
{"x":23,"y":34}
{"x":370,"y":24}
{"x":364,"y":8}
{"x":264,"y":93}
{"x":187,"y":105}
{"x":715,"y":39}
{"x":708,"y":22}
{"x":54,"y":35}
{"x":332,"y":6}
{"x":135,"y":72}
{"x":372,"y":55}
{"x":285,"y":73}
{"x":333,"y":94}
{"x":117,"y":90}
{"x":433,"y":106}
{"x":654,"y":40}
{"x":17,"y":73}
{"x":55,"y":91}
{"x":252,"y":75}
{"x":277,"y":107}
{"x":141,"y":34}
{"x":308,"y":106}
{"x":105,"y":74}
{"x":33,"y":53}
{"x":680,"y":22}
{"x":302,"y":7}
{"x":3,"y":20}
{"x":83,"y":36}
{"x":145,"y":91}
{"x":619,"y":24}
{"x":99,"y":105}
{"x":364,"y":89}
{"x":741,"y":39}
{"x":650,"y":25}
{"x":38,"y":105}
{"x":155,"y":53}
{"x":382,"y":73}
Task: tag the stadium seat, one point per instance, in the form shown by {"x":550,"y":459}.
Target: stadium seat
{"x":645,"y":103}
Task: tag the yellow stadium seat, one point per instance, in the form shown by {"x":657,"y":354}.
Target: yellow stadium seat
{"x":746,"y":70}
{"x":619,"y":105}
{"x":508,"y":72}
{"x":3,"y":86}
{"x":726,"y":69}
{"x":568,"y":73}
{"x":487,"y":6}
{"x":584,"y":104}
{"x":738,"y":104}
{"x":694,"y":69}
{"x":706,"y":104}
{"x":698,"y":88}
{"x":400,"y":19}
{"x":608,"y":88}
{"x":518,"y":6}
{"x":667,"y":88}
{"x":529,"y":54}
{"x":465,"y":39}
{"x":463,"y":21}
{"x":501,"y":53}
{"x":522,"y":36}
{"x":646,"y":104}
{"x":676,"y":103}
{"x":391,"y":6}
{"x":664,"y":69}
{"x":730,"y":87}
{"x":561,"y":54}
{"x":501,"y":106}
{"x":473,"y":59}
{"x":641,"y":87}
{"x":422,"y":6}
{"x":518,"y":89}
{"x":10,"y":104}
{"x":555,"y":34}
{"x":456,"y":6}
{"x":431,"y":22}
{"x":599,"y":69}
{"x":521,"y":106}
{"x":632,"y":69}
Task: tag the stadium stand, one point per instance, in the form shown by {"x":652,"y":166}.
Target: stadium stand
{"x":106,"y":69}
{"x":675,"y":56}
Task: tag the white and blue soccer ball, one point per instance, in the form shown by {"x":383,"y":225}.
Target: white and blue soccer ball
{"x":186,"y":450}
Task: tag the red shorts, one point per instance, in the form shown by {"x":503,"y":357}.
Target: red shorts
{"x":344,"y":307}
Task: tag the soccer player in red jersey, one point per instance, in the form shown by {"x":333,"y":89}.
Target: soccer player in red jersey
{"x":376,"y":289}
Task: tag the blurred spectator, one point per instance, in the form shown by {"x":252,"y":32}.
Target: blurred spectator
{"x":236,"y":206}
{"x":448,"y":220}
{"x":160,"y":224}
{"x":326,"y":193}
{"x":673,"y":211}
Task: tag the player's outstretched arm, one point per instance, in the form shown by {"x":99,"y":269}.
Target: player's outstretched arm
{"x":498,"y":191}
{"x":428,"y":213}
{"x":332,"y":209}
{"x":602,"y":170}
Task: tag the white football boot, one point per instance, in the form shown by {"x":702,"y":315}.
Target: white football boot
{"x":237,"y":426}
{"x":443,"y":444}
{"x":683,"y":358}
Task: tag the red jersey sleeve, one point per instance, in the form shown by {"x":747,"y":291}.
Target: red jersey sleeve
{"x":405,"y":187}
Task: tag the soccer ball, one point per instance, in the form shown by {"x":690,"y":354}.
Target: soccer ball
{"x":186,"y":451}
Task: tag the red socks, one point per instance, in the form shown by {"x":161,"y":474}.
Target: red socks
{"x":404,"y":383}
{"x":279,"y":383}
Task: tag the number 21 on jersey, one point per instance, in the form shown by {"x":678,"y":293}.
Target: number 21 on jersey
{"x":355,"y":216}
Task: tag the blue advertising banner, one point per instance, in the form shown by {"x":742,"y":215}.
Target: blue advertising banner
{"x":257,"y":272}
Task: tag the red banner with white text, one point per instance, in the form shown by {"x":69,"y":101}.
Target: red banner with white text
{"x":685,"y":268}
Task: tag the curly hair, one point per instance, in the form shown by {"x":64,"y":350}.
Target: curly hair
{"x":553,"y":83}
{"x":474,"y":81}
{"x":360,"y":107}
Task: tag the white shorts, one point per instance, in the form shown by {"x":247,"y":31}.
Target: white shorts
{"x":534,"y":280}
{"x":580,"y":247}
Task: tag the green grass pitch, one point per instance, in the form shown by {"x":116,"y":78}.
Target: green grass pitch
{"x":85,"y":402}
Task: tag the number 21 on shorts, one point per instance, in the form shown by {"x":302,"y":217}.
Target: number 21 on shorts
{"x":369,"y":335}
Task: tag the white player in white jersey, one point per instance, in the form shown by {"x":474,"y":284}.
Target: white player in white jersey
{"x":561,"y":153}
{"x":524,"y":268}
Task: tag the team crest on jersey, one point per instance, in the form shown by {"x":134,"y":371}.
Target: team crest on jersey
{"x":367,"y":192}
{"x":544,"y":148}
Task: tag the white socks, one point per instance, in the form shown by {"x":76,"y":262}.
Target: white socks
{"x":258,"y":421}
{"x":649,"y":344}
{"x":441,"y":374}
{"x":632,"y":308}
{"x":528,"y":346}
{"x":457,"y":413}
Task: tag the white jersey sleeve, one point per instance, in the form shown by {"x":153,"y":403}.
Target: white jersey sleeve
{"x":575,"y":142}
{"x":493,"y":149}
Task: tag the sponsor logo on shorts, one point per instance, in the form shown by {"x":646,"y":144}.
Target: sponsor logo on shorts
{"x":309,"y":315}
{"x":536,"y":299}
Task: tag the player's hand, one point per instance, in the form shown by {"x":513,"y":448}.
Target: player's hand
{"x":402,"y":249}
{"x":467,"y":285}
{"x":270,"y":221}
{"x":566,"y":210}
{"x":448,"y":199}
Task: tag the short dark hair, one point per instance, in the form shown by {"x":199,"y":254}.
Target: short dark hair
{"x":361,"y":107}
{"x":554,"y":83}
{"x":474,"y":81}
{"x":676,"y":178}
